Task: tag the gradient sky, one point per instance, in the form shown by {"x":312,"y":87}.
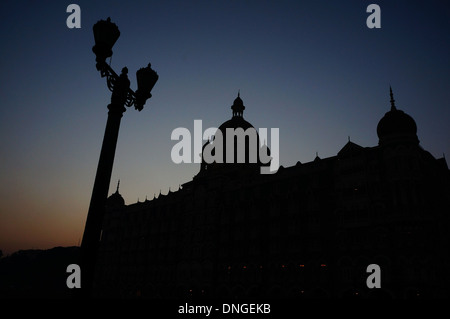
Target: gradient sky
{"x":310,"y":68}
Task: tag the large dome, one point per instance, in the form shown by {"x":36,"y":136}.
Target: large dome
{"x":234,"y":123}
{"x":396,"y":126}
{"x":249,"y":142}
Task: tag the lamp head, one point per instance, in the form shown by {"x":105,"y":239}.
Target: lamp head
{"x":106,"y":34}
{"x":146,"y":80}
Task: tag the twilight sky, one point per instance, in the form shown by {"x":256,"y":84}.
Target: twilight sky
{"x":313,"y":69}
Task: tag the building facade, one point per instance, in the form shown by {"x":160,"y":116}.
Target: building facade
{"x":309,"y":230}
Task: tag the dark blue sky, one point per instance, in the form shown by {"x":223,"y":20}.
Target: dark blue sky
{"x":312,"y":69}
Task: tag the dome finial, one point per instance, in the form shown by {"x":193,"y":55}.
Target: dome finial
{"x":117,"y":190}
{"x":393,"y":108}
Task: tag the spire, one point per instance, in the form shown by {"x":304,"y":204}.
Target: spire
{"x":117,"y":190}
{"x":393,"y":108}
{"x":317,"y":157}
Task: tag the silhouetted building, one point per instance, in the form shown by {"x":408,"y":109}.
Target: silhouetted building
{"x":309,"y":230}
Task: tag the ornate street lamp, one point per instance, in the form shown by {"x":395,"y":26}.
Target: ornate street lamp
{"x":106,"y":34}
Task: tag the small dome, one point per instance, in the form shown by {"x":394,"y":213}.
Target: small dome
{"x":396,"y":126}
{"x":238,"y":100}
{"x":396,"y":123}
{"x":115,"y":200}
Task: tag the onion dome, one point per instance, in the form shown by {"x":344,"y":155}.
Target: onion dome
{"x":396,"y":127}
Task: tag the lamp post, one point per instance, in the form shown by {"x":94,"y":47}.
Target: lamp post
{"x":106,"y":34}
